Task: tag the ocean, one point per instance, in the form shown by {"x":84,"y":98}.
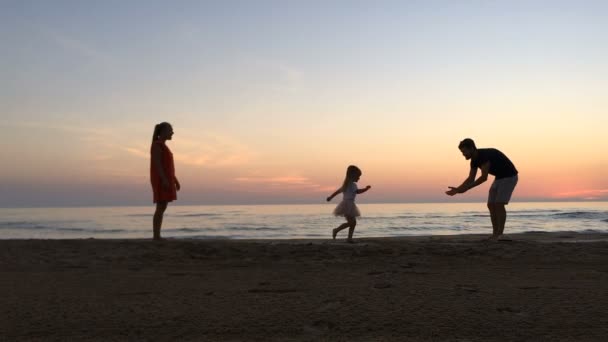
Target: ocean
{"x":296,"y":221}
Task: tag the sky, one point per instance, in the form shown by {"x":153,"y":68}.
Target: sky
{"x":270,"y":101}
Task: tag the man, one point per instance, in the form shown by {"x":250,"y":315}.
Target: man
{"x":489,"y":161}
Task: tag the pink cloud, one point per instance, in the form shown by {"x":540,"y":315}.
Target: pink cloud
{"x":591,"y":194}
{"x":288,"y":182}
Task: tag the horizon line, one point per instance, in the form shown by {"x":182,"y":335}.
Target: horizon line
{"x":295,"y":203}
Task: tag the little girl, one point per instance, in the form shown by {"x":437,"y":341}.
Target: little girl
{"x":347,"y":207}
{"x":162,"y":174}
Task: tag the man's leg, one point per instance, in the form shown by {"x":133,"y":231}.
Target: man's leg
{"x":494,"y":217}
{"x":503,"y":195}
{"x":501,"y":216}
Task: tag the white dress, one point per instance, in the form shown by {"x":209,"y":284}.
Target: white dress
{"x":347,"y":207}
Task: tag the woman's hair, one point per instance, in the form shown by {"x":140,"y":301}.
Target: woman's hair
{"x":158,"y":129}
{"x":352,"y":172}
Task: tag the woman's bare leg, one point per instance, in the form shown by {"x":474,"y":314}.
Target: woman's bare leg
{"x":158,"y":218}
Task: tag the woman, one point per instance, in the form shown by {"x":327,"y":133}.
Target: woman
{"x":162,"y":174}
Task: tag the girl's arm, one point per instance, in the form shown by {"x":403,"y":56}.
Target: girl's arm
{"x":360,"y":191}
{"x":157,"y":155}
{"x":334,"y":194}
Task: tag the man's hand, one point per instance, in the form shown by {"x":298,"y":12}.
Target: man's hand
{"x":453,"y":191}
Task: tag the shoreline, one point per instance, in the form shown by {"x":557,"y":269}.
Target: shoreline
{"x":535,"y":286}
{"x":537,"y":236}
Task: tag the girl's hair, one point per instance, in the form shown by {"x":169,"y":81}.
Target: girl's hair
{"x":352,"y":172}
{"x":159,"y":128}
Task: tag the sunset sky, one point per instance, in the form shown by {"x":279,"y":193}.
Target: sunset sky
{"x":272,"y":100}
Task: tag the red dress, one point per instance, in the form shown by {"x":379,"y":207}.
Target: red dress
{"x":161,"y":193}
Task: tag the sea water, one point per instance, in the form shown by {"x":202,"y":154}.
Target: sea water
{"x":296,"y":221}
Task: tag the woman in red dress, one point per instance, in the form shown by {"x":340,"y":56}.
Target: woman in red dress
{"x":162,"y":174}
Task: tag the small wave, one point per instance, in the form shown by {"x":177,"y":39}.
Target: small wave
{"x":116,"y":231}
{"x":66,"y":229}
{"x":210,"y":237}
{"x":408,"y":217}
{"x":25,"y":225}
{"x":196,"y":215}
{"x":15,"y":223}
{"x":393,"y":228}
{"x":589,"y":215}
{"x":186,"y":230}
{"x":21,"y":225}
{"x":258,"y":229}
{"x":591,"y":231}
{"x":176,"y":215}
{"x":536,"y":211}
{"x":91,"y":230}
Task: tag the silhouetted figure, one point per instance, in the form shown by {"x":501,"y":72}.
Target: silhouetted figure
{"x":162,"y":174}
{"x":347,"y":207}
{"x":490,"y":161}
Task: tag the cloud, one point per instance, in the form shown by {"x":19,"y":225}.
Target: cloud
{"x":212,"y":151}
{"x":75,"y":46}
{"x":57,"y":126}
{"x":584,"y":194}
{"x":137,"y":152}
{"x":288,"y":182}
{"x":291,"y":74}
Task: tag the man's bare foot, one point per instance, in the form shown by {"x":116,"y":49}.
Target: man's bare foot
{"x":334,"y":232}
{"x":491,"y":238}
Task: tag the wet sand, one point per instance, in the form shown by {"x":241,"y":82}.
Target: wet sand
{"x":534,"y":287}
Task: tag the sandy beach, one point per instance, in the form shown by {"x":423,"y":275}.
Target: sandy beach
{"x":534,"y":287}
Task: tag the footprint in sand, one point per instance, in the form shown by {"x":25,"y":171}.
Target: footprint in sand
{"x":318,"y":327}
{"x":468,"y":288}
{"x":382,"y":285}
{"x":330,"y":305}
{"x":279,"y":291}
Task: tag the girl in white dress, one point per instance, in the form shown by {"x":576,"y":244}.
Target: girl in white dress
{"x":347,"y":207}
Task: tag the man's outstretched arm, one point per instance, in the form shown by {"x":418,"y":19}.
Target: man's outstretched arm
{"x":471,"y":182}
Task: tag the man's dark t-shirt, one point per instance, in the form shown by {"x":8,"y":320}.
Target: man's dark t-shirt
{"x":500,"y":165}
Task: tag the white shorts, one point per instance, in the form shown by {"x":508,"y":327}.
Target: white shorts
{"x":502,"y":189}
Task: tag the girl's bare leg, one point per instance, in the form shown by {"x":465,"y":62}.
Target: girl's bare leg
{"x":158,"y":219}
{"x":340,"y":227}
{"x":352,"y":223}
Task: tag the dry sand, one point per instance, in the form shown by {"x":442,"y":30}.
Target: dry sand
{"x":536,"y":287}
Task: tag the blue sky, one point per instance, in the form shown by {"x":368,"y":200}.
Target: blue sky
{"x":272,"y":99}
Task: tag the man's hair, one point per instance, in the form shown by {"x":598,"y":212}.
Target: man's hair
{"x":467,"y":143}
